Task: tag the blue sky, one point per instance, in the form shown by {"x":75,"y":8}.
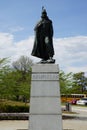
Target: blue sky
{"x":17,"y":21}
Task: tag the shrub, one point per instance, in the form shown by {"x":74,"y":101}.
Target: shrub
{"x":11,"y":108}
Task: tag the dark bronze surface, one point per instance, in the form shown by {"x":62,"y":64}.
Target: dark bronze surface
{"x":43,"y":43}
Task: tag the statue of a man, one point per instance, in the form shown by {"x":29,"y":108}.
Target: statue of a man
{"x":43,"y":44}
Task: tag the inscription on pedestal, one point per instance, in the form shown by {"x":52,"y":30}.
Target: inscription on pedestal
{"x":45,"y":76}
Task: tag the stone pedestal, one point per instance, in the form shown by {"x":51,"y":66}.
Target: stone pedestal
{"x":45,"y":106}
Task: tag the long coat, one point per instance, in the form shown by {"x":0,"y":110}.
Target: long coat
{"x":43,"y":44}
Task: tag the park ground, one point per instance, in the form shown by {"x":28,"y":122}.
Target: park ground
{"x":23,"y":125}
{"x":75,"y":121}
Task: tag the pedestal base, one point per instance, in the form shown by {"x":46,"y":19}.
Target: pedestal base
{"x":45,"y":105}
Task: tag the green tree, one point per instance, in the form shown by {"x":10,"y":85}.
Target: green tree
{"x":80,"y":81}
{"x":23,"y":67}
{"x":4,"y":69}
{"x":11,"y":90}
{"x":15,"y":81}
{"x":66,"y":81}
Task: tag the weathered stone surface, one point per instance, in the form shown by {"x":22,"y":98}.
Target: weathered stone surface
{"x":45,"y":122}
{"x":45,"y":68}
{"x":45,"y":88}
{"x":45,"y":105}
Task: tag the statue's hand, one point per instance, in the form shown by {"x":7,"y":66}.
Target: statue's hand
{"x":46,"y":40}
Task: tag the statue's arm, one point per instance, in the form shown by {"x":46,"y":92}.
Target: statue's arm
{"x":51,"y":29}
{"x":38,"y":25}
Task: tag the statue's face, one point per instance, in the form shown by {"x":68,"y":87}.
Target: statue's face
{"x":44,"y":15}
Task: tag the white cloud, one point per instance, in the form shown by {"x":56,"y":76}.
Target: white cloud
{"x":70,"y":53}
{"x":16,"y":29}
{"x":6,"y":39}
{"x":77,"y":69}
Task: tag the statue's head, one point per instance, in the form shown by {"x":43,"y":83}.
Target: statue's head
{"x":44,"y":13}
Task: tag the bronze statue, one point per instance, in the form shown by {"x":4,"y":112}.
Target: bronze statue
{"x":43,"y":44}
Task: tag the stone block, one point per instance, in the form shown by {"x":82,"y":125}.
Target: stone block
{"x":45,"y":104}
{"x":45,"y":122}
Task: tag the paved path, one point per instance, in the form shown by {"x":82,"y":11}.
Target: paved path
{"x":13,"y":125}
{"x":23,"y":125}
{"x":78,"y":122}
{"x":74,"y":125}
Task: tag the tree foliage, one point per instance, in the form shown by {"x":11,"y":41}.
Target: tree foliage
{"x":23,"y":64}
{"x":66,"y":82}
{"x":73,"y":83}
{"x":16,"y":81}
{"x":80,"y":82}
{"x":4,"y":70}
